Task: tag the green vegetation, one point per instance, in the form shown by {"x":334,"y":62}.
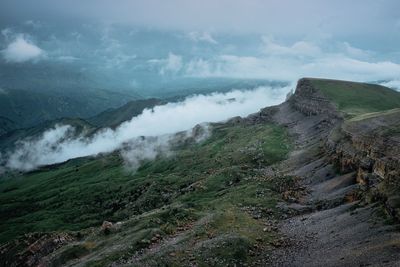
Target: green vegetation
{"x":27,"y":108}
{"x":383,"y":124}
{"x":375,"y":115}
{"x":206,"y":201}
{"x":357,"y":98}
{"x":114,"y":117}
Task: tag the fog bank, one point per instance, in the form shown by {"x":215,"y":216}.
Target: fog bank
{"x":56,"y":145}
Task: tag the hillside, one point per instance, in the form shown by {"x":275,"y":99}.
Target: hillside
{"x":114,"y":117}
{"x":109,"y":118}
{"x":165,"y":197}
{"x":355,"y":98}
{"x":27,"y":108}
{"x":9,"y":140}
{"x":310,"y":177}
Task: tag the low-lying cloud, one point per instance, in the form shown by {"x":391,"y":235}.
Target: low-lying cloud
{"x":20,"y":50}
{"x":159,"y":124}
{"x":394,"y":84}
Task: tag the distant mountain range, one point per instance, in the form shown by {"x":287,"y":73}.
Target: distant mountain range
{"x":109,"y":118}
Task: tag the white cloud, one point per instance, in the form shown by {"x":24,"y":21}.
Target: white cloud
{"x":354,"y":51}
{"x":170,"y":65}
{"x":173,"y":63}
{"x":395,"y":84}
{"x":300,"y":48}
{"x":7,"y":32}
{"x":57,"y":145}
{"x":21,"y":50}
{"x":202,"y":37}
{"x":67,"y":58}
{"x":201,"y":68}
{"x":148,"y":148}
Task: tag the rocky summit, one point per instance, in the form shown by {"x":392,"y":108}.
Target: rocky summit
{"x":314,"y":181}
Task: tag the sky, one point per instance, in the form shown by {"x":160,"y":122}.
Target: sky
{"x":292,"y":17}
{"x":271,"y":39}
{"x":246,"y":39}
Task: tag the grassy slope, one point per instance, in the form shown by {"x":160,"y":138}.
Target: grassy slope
{"x":215,"y":179}
{"x":114,"y":117}
{"x":357,"y":98}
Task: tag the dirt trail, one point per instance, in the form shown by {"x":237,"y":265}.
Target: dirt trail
{"x":336,"y":232}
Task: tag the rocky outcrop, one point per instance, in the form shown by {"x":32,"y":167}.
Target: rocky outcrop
{"x":368,"y":147}
{"x":371,"y":148}
{"x":340,"y":162}
{"x":310,"y":101}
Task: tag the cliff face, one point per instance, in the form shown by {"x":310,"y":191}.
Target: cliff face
{"x":368,"y":145}
{"x":310,"y":101}
{"x":371,"y":147}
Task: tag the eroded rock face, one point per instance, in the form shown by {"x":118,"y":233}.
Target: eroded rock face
{"x":369,"y":147}
{"x":310,"y":101}
{"x":374,"y":155}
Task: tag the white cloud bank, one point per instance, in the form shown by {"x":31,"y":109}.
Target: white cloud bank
{"x":20,"y":50}
{"x":56,"y":146}
{"x":300,"y":59}
{"x":394,"y":84}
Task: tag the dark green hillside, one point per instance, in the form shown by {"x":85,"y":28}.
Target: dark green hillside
{"x":211,"y":186}
{"x":108,"y":118}
{"x":28,"y":108}
{"x":6,"y":125}
{"x":114,"y":117}
{"x":357,"y":98}
{"x":8,"y":140}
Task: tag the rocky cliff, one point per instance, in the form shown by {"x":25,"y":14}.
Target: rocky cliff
{"x":308,"y":100}
{"x":347,"y":165}
{"x":368,"y":145}
{"x":371,"y":147}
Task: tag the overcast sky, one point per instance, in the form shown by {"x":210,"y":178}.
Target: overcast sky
{"x":342,"y":17}
{"x":357,"y":39}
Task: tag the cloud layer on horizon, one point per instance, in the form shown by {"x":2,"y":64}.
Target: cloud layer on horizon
{"x":291,"y":62}
{"x":55,"y":145}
